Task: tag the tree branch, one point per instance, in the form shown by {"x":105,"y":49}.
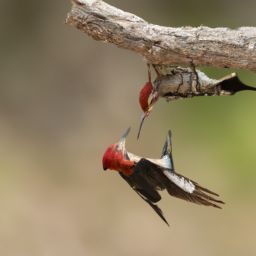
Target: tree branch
{"x":219,"y":47}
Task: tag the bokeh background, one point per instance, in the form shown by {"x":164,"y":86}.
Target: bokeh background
{"x":65,"y":97}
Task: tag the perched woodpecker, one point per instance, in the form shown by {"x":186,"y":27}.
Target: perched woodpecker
{"x":174,"y":83}
{"x":148,"y":176}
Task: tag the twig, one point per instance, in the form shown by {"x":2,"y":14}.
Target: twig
{"x":203,"y":46}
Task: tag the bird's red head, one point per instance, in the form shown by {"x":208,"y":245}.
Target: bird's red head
{"x":115,"y":157}
{"x":148,"y":96}
{"x":145,"y":93}
{"x":112,"y":157}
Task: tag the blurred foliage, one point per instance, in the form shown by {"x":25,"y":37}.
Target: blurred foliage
{"x":65,"y":97}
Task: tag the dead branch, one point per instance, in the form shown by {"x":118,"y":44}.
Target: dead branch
{"x":218,"y":47}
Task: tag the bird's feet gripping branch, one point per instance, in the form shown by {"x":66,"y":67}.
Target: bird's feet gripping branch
{"x":148,"y":176}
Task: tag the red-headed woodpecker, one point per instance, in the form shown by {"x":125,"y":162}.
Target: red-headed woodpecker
{"x":174,"y":83}
{"x":148,"y":176}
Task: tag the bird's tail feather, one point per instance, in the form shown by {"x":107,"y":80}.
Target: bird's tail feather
{"x":154,"y":207}
{"x":233,"y":84}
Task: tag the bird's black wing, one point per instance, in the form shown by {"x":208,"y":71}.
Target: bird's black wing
{"x":176,"y":184}
{"x":145,"y":191}
{"x":233,"y":84}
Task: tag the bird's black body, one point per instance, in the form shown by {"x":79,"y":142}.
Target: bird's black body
{"x":149,"y":178}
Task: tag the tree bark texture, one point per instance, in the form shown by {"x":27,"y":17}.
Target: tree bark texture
{"x":204,"y":46}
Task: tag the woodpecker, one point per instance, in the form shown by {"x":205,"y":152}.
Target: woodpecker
{"x":148,"y":176}
{"x":174,"y":83}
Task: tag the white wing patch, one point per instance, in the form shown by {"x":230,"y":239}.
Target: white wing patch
{"x":181,"y":182}
{"x":164,"y":162}
{"x":167,"y":162}
{"x":133,"y":157}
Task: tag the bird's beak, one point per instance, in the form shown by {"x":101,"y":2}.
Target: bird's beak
{"x":121,"y":143}
{"x":143,"y":117}
{"x":146,"y":113}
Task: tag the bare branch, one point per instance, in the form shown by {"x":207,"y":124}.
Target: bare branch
{"x":219,"y":47}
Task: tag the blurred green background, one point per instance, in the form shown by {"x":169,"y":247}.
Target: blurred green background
{"x":65,"y":97}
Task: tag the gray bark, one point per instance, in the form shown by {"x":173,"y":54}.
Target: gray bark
{"x":204,"y":46}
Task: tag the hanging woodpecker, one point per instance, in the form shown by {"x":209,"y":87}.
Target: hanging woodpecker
{"x":148,"y":176}
{"x":174,"y":82}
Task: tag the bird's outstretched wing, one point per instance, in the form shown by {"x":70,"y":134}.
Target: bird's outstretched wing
{"x":145,"y":191}
{"x":176,"y":184}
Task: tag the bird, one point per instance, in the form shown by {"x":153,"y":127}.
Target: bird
{"x":174,"y":82}
{"x":147,"y":177}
